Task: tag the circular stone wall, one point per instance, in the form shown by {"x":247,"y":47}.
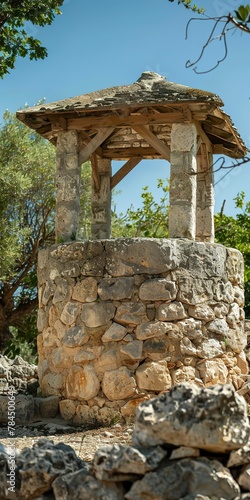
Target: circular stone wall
{"x":122,"y":320}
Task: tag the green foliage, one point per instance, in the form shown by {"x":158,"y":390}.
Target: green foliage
{"x":14,"y":38}
{"x":234,"y":232}
{"x":243,"y":14}
{"x":188,"y":4}
{"x":151,"y":220}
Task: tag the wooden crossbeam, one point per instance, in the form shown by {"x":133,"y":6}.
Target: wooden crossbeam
{"x":91,"y":147}
{"x":124,"y":121}
{"x":124,"y":170}
{"x":95,"y":172}
{"x":151,"y":138}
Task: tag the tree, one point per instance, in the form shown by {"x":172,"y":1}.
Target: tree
{"x":27,"y":204}
{"x":234,"y":232}
{"x":238,"y":20}
{"x":14,"y":38}
{"x":150,"y":220}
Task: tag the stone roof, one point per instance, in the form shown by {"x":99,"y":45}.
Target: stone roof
{"x":150,"y":88}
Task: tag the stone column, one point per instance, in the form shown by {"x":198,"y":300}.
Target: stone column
{"x":68,"y":174}
{"x":101,"y":201}
{"x":182,"y":213}
{"x":205,"y":199}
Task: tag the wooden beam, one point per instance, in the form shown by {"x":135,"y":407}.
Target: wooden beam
{"x":151,"y":138}
{"x":127,"y":153}
{"x":91,"y":147}
{"x":203,"y":135}
{"x":124,"y":170}
{"x":124,"y":121}
{"x":85,"y":139}
{"x":95,"y":172}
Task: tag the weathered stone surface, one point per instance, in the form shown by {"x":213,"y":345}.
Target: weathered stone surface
{"x":235,"y":266}
{"x":239,"y":457}
{"x":218,"y":326}
{"x":24,"y":408}
{"x":118,"y":384}
{"x":85,"y":290}
{"x":97,"y":314}
{"x":184,"y":452}
{"x":114,"y":333}
{"x":109,"y":360}
{"x":67,"y":409}
{"x":62,"y":291}
{"x":203,"y":312}
{"x":129,"y":409}
{"x":131,"y":313}
{"x":75,"y":337}
{"x":126,"y":257}
{"x":212,"y":371}
{"x":171,"y":312}
{"x":132,"y":349}
{"x":223,"y":292}
{"x":188,"y":476}
{"x":183,"y":374}
{"x":69,"y":313}
{"x":83,"y":486}
{"x":151,"y":329}
{"x":158,"y":289}
{"x":83,"y":356}
{"x":38,"y":466}
{"x":120,"y":462}
{"x":82,"y":383}
{"x":210,"y":348}
{"x":153,"y":376}
{"x":244,"y":478}
{"x":213,"y":419}
{"x":115,"y":288}
{"x":47,"y":407}
{"x":193,"y":291}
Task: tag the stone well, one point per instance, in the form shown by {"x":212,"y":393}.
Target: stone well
{"x":123,"y":320}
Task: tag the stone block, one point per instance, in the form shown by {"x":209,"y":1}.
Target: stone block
{"x":75,"y":337}
{"x":116,"y":288}
{"x":85,"y":290}
{"x":97,"y":314}
{"x":152,"y":329}
{"x":82,"y":383}
{"x":23,"y":407}
{"x":153,"y":376}
{"x":114,"y":333}
{"x":133,"y":349}
{"x":47,"y":407}
{"x":158,"y":289}
{"x":67,"y":409}
{"x":171,"y":312}
{"x":212,"y":371}
{"x":69,"y":313}
{"x":118,"y":384}
{"x":131,"y":313}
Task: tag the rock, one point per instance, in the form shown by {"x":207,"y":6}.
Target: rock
{"x":187,"y":476}
{"x":115,"y":333}
{"x":97,"y":313}
{"x":171,"y":312}
{"x":130,"y":313}
{"x":158,"y":289}
{"x":69,"y":313}
{"x":85,"y":487}
{"x":202,"y":312}
{"x":184,"y":452}
{"x":153,"y":376}
{"x":152,"y":329}
{"x":85,"y":290}
{"x":212,"y":371}
{"x":115,"y":288}
{"x":213,"y":419}
{"x":129,"y":409}
{"x":23,"y":406}
{"x":244,"y":478}
{"x":47,"y":407}
{"x":239,"y":457}
{"x":133,"y":349}
{"x":67,"y":409}
{"x":38,"y":466}
{"x":75,"y":337}
{"x":118,"y":384}
{"x":121,"y":463}
{"x":82,"y":383}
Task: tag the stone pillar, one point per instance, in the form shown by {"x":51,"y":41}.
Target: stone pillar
{"x":205,"y":198}
{"x":101,"y":201}
{"x":68,"y":174}
{"x":182,"y":214}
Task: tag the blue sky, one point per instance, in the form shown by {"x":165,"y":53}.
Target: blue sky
{"x":96,"y":44}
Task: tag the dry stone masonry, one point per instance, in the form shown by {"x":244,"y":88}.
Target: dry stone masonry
{"x":189,"y":444}
{"x":123,"y":320}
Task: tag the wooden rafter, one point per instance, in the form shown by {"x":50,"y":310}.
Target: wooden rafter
{"x":124,"y":170}
{"x":91,"y":147}
{"x":203,"y":135}
{"x":151,"y":138}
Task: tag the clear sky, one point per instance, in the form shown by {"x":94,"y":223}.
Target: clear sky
{"x":96,"y":44}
